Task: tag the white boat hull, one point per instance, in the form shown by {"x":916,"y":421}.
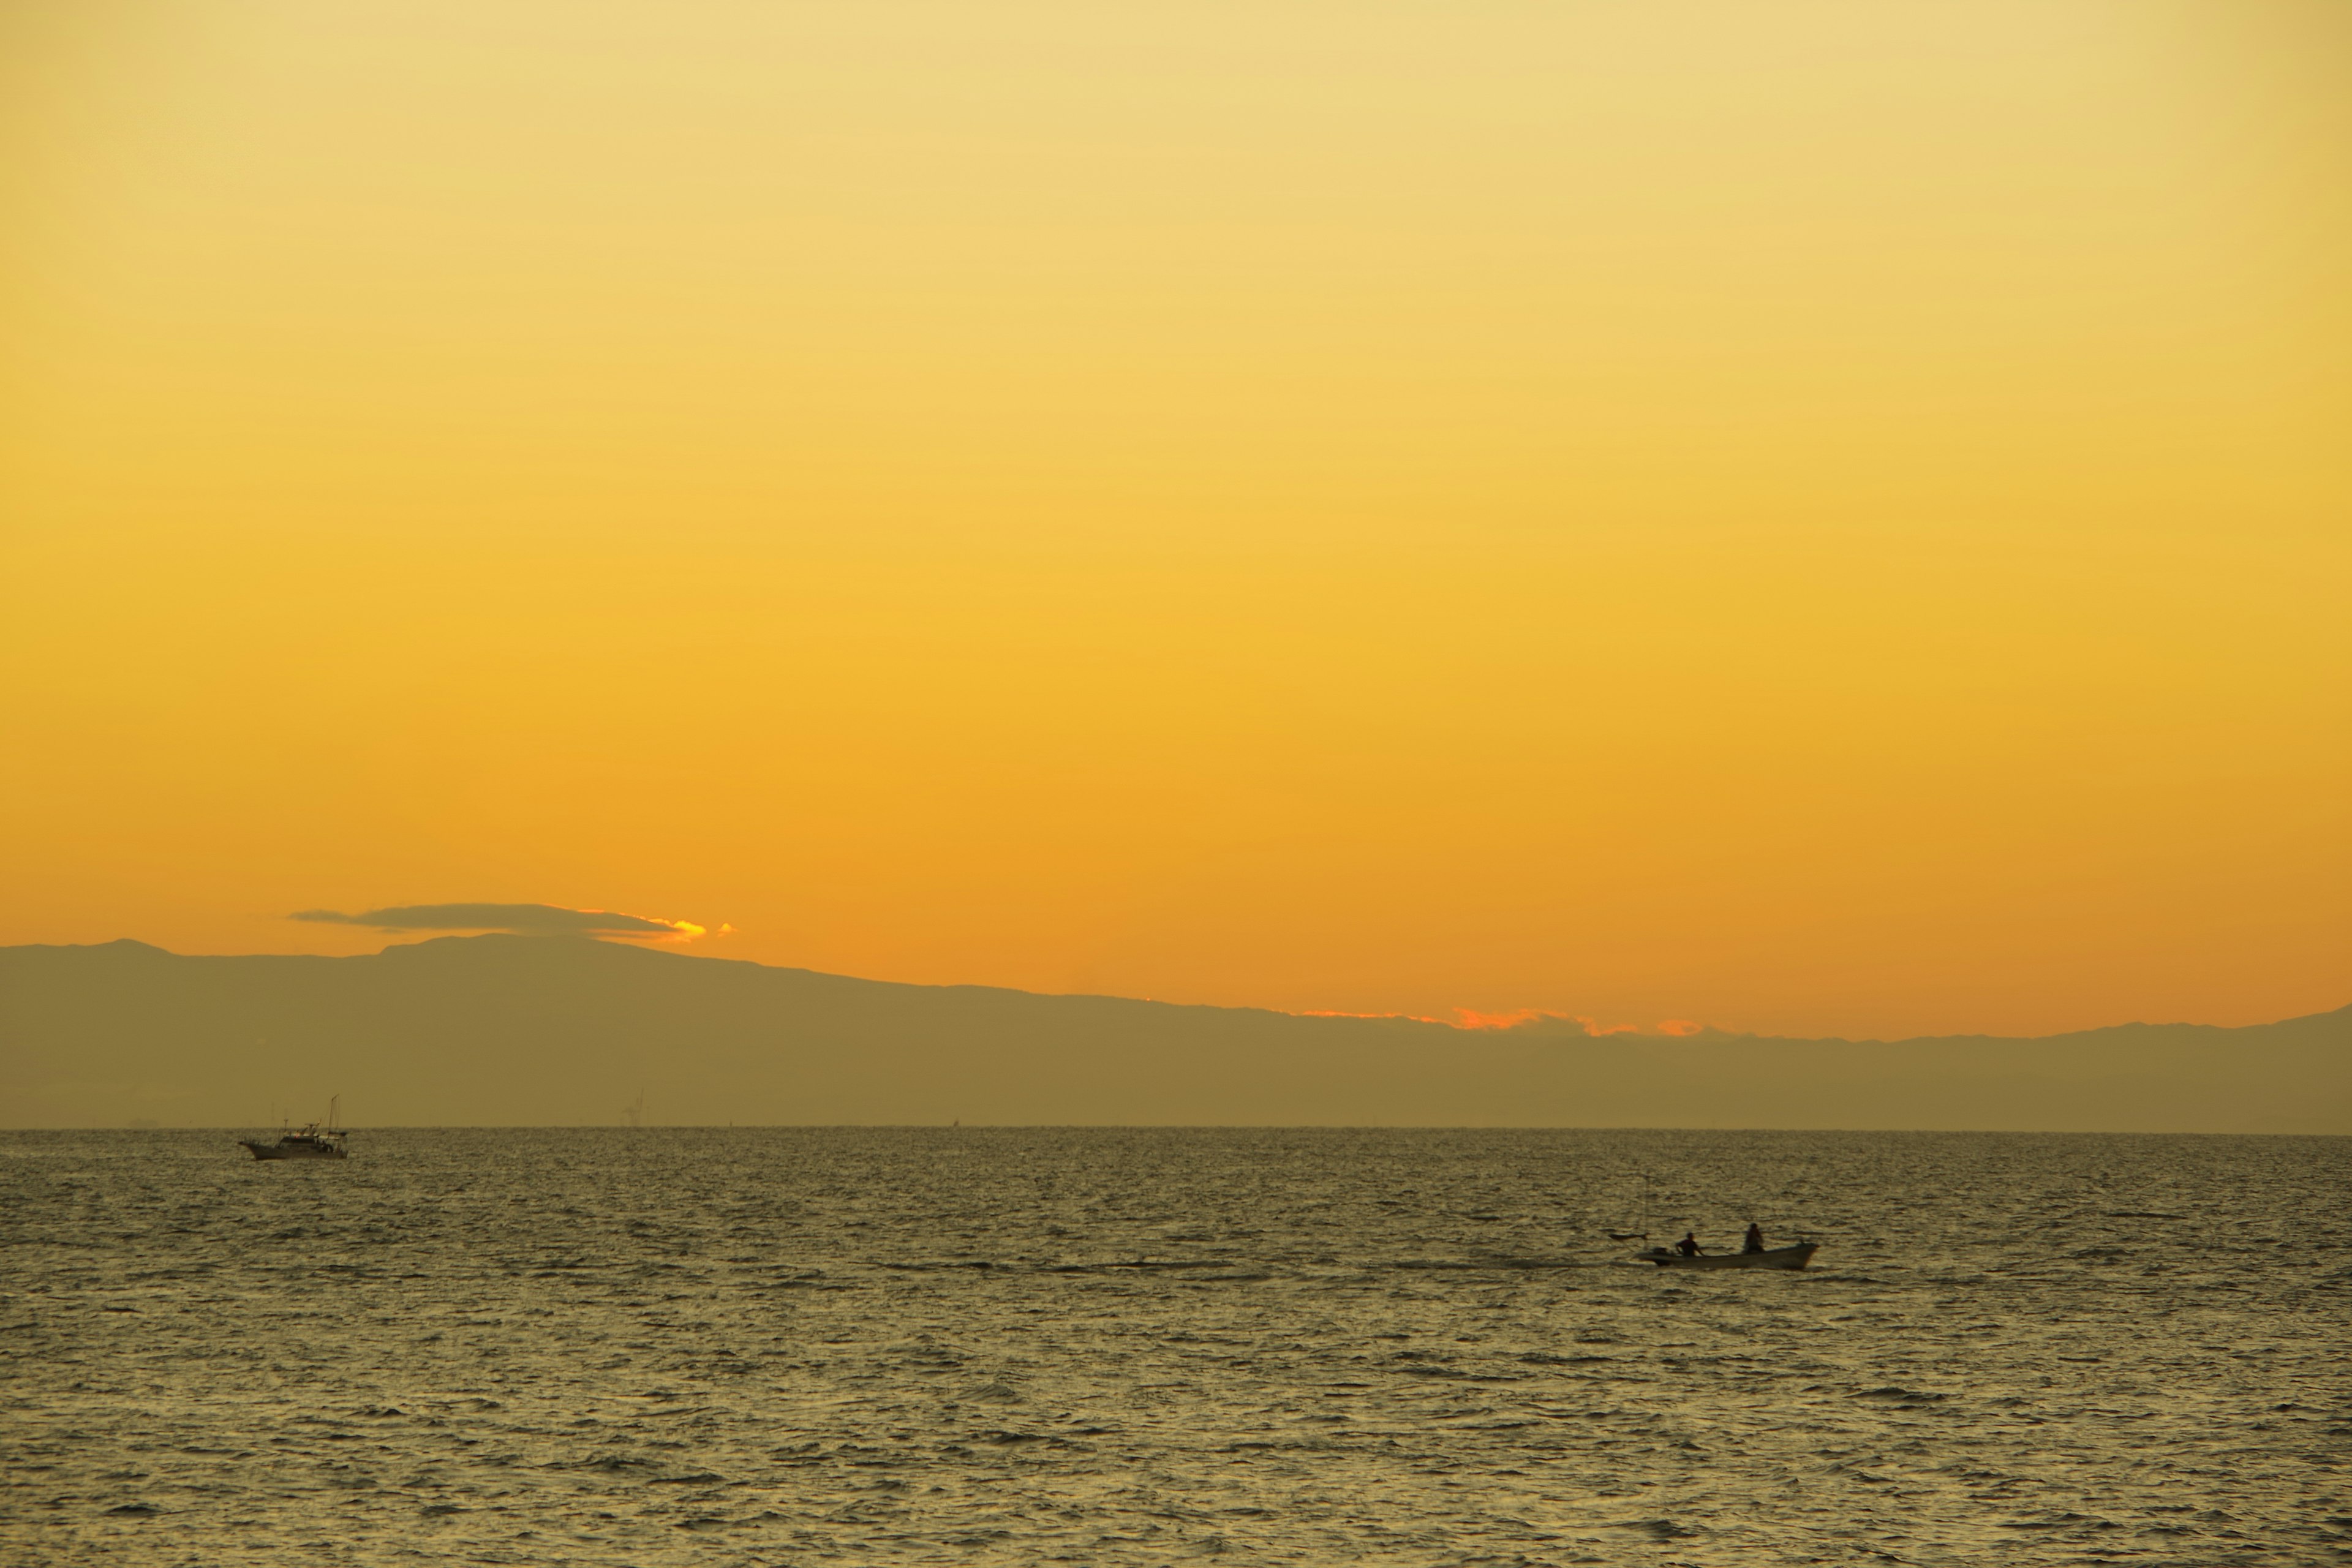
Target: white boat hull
{"x":311,"y":1142}
{"x":292,"y":1150}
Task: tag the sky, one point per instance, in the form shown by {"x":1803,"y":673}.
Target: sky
{"x":1816,"y":518}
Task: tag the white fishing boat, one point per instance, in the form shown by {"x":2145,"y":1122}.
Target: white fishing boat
{"x":310,"y":1142}
{"x":1795,"y":1256}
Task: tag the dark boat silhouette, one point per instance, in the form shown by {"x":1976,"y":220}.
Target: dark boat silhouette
{"x":1795,"y":1256}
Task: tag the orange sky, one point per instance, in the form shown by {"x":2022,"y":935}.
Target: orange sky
{"x":1816,"y":518}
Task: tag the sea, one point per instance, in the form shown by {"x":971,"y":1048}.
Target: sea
{"x":1110,"y":1346}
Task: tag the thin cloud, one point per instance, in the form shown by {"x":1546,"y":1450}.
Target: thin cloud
{"x":525,"y":919}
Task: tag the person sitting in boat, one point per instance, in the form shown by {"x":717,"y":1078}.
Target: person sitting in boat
{"x":1755,"y":1242}
{"x":1688,"y":1246}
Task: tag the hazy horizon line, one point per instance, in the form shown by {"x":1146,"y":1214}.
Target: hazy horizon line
{"x":134,"y":1126}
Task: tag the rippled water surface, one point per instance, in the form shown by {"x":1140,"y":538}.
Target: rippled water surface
{"x":774,"y":1346}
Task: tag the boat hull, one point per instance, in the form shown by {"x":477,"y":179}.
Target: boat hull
{"x":295,"y":1151}
{"x":1773,"y":1258}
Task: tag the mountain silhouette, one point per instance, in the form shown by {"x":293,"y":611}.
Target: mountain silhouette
{"x":527,"y":1030}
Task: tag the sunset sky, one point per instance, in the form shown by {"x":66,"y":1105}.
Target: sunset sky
{"x":1808,"y":518}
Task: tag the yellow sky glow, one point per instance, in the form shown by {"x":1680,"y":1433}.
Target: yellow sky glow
{"x":1822,"y":517}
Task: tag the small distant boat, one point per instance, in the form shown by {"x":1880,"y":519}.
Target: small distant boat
{"x":310,"y":1142}
{"x":1795,"y":1256}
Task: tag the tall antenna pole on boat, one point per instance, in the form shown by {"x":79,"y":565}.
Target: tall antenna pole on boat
{"x":1641,"y":1225}
{"x":334,"y":1107}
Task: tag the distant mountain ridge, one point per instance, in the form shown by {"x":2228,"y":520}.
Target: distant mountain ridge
{"x":512,"y":1031}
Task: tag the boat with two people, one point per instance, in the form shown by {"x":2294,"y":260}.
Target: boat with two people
{"x":310,"y":1142}
{"x":1753,"y":1254}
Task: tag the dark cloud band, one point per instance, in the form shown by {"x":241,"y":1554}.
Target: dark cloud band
{"x":537,"y":920}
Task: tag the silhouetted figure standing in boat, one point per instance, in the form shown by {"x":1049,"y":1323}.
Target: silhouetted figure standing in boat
{"x":1755,"y":1242}
{"x":1688,"y":1246}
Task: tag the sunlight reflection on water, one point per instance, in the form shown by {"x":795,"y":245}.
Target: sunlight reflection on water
{"x":779,"y":1345}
